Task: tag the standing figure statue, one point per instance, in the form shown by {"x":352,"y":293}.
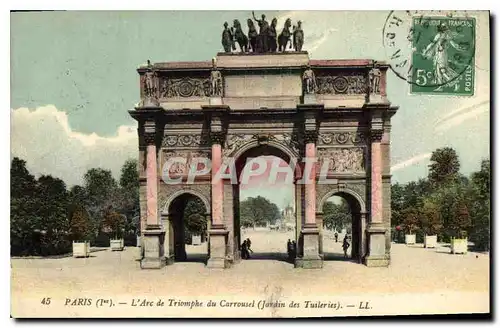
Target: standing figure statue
{"x":240,"y":37}
{"x":227,"y":38}
{"x":375,"y":80}
{"x":252,"y":35}
{"x":149,"y":82}
{"x":215,"y":81}
{"x":271,"y":36}
{"x":298,"y":37}
{"x":262,"y":45}
{"x":284,"y":37}
{"x":309,"y":80}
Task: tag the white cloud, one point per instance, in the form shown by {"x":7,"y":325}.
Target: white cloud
{"x":409,"y":162}
{"x":44,"y":138}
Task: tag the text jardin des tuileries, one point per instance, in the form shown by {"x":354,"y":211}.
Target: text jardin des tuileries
{"x":259,"y":304}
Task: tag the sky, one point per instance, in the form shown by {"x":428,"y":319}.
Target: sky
{"x":73,"y":80}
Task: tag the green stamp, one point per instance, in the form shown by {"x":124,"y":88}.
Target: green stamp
{"x":442,"y":56}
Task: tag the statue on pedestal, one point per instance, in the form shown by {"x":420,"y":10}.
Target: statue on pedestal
{"x":298,"y":37}
{"x":262,"y":39}
{"x":227,"y":38}
{"x":252,"y":35}
{"x":309,"y":80}
{"x":215,"y":81}
{"x":271,"y":36}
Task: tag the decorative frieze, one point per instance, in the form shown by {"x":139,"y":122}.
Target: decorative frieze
{"x":181,"y":161}
{"x":185,"y":87}
{"x":342,"y":138}
{"x":353,"y":83}
{"x":343,"y":160}
{"x":236,"y":141}
{"x":182,"y":141}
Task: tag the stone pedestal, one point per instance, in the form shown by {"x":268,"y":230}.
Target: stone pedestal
{"x":310,"y":99}
{"x":310,"y":258}
{"x":153,"y":253}
{"x":218,"y":244}
{"x":377,"y":256}
{"x":215,"y":101}
{"x":149,"y":102}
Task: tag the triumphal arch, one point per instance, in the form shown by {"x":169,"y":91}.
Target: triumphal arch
{"x":243,"y":105}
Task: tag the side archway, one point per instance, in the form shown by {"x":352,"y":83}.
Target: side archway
{"x":357,"y":208}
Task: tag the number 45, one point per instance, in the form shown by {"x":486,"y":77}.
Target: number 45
{"x":46,"y":301}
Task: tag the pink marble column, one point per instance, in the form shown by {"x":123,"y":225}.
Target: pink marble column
{"x":310,"y":192}
{"x":152,"y":186}
{"x":217,"y":186}
{"x":376,"y":179}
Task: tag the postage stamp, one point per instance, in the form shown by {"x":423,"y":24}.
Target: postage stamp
{"x":247,"y":166}
{"x":440,"y":51}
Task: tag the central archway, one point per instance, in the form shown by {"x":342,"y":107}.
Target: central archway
{"x":272,"y":187}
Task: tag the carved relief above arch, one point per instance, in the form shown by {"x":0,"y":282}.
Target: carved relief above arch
{"x":356,"y":190}
{"x":237,"y":144}
{"x":168,"y":193}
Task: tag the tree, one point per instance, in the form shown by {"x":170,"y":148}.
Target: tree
{"x":23,"y":204}
{"x":128,"y":194}
{"x":444,"y":166}
{"x":336,"y":216}
{"x":430,"y":218}
{"x":114,"y":223}
{"x":410,"y":219}
{"x":80,"y":224}
{"x":194,"y":216}
{"x":101,"y":193}
{"x":397,"y":203}
{"x":480,"y":207}
{"x":52,"y":211}
{"x":258,"y":211}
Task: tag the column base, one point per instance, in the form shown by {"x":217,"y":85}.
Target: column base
{"x":218,"y":248}
{"x":377,"y":256}
{"x":377,"y":261}
{"x":311,"y":258}
{"x":153,"y":263}
{"x":152,"y":250}
{"x":309,"y":263}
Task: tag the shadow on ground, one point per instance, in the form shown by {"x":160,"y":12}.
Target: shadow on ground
{"x":337,"y":257}
{"x":272,"y":256}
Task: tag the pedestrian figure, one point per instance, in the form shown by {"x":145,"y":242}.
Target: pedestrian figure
{"x":244,"y":250}
{"x":294,"y":249}
{"x":345,"y":246}
{"x":336,"y":237}
{"x":249,"y":244}
{"x":289,"y":249}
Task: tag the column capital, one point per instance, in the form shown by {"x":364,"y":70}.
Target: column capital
{"x":310,"y":136}
{"x":217,"y":138}
{"x":376,"y":135}
{"x":150,"y":132}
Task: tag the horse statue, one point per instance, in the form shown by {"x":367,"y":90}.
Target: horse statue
{"x":271,"y":35}
{"x":239,"y":36}
{"x":252,"y":35}
{"x":284,"y":37}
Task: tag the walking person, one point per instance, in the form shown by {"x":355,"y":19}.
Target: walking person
{"x":345,"y":246}
{"x":249,"y":244}
{"x":336,"y":237}
{"x":244,"y":250}
{"x":289,"y":249}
